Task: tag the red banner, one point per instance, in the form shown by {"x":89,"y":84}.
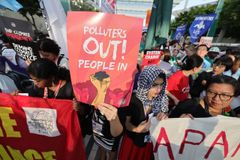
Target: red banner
{"x":35,"y":128}
{"x":103,"y":50}
{"x":151,"y":58}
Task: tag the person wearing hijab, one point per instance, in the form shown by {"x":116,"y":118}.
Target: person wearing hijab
{"x":149,"y":99}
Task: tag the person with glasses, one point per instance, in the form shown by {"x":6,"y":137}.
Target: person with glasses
{"x":221,"y":64}
{"x":149,"y":100}
{"x":219,"y":94}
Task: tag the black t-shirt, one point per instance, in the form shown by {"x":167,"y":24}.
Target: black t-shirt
{"x":136,"y":111}
{"x":190,"y":106}
{"x":65,"y":92}
{"x":198,"y":87}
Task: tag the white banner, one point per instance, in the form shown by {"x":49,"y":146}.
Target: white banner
{"x":215,"y":138}
{"x":206,"y":40}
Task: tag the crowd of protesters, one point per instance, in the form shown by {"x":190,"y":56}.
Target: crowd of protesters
{"x":189,"y":81}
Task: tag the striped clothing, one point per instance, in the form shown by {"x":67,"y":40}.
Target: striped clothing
{"x":101,"y":132}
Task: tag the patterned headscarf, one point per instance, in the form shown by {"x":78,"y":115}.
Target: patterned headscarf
{"x":145,"y":82}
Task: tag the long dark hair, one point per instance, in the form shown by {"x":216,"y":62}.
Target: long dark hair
{"x":43,"y":68}
{"x":49,"y":45}
{"x":192,"y":62}
{"x":224,"y":60}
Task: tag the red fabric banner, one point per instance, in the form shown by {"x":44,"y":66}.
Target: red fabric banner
{"x":36,"y":128}
{"x":103,"y":50}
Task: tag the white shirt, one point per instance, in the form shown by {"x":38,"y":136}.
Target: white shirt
{"x":235,"y":75}
{"x":63,"y":62}
{"x":166,"y":67}
{"x":235,"y":103}
{"x":10,"y":54}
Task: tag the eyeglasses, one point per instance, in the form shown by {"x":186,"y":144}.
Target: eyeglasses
{"x":222,"y":96}
{"x":157,"y":85}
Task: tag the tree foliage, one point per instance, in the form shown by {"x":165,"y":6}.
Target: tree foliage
{"x":82,"y":6}
{"x":230,"y":18}
{"x":187,"y":17}
{"x":32,"y":7}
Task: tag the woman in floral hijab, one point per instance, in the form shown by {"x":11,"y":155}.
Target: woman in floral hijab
{"x":149,"y":100}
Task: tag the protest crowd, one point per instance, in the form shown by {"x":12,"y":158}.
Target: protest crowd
{"x":188,"y":81}
{"x":113,"y":100}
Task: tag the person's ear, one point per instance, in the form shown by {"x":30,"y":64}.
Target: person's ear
{"x":195,"y":69}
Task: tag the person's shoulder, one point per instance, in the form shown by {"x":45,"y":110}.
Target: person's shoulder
{"x":68,"y":85}
{"x":205,"y":73}
{"x":133,"y":98}
{"x":238,"y":72}
{"x":189,"y":102}
{"x":135,"y":101}
{"x":165,"y":65}
{"x":64,"y":59}
{"x":8,"y":51}
{"x":7,"y":85}
{"x":206,"y":63}
{"x":176,"y":74}
{"x":4,"y":77}
{"x":179,"y":75}
{"x":227,"y":73}
{"x":64,"y":62}
{"x":183,"y":107}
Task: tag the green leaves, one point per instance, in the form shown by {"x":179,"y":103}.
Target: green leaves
{"x":229,"y":19}
{"x":187,"y":17}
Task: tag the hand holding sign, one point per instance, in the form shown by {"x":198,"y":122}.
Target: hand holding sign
{"x":111,"y":113}
{"x":143,"y":127}
{"x":162,"y":116}
{"x":108,"y":111}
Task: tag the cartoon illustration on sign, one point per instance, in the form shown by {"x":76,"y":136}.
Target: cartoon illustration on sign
{"x":101,"y":80}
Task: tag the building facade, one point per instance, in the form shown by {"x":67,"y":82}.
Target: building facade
{"x":136,"y":8}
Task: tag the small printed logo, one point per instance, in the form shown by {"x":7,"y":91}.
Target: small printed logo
{"x":13,"y":24}
{"x":186,"y":90}
{"x":198,"y":28}
{"x":42,"y":121}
